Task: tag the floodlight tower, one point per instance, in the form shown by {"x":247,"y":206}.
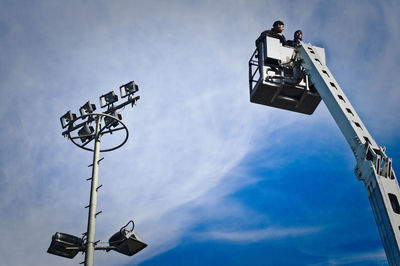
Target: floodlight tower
{"x":124,"y":241}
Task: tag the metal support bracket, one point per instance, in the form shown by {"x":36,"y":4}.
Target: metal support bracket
{"x":90,"y":165}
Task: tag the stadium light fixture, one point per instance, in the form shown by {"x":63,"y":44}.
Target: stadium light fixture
{"x":110,"y":122}
{"x":108,"y":99}
{"x":65,"y":245}
{"x":67,"y":119}
{"x":129,"y":88}
{"x":87,"y":108}
{"x":85,"y":132}
{"x":126,"y":241}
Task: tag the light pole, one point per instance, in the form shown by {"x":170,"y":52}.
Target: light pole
{"x":125,"y":241}
{"x":91,"y":228}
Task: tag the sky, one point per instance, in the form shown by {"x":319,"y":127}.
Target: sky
{"x":208,"y":177}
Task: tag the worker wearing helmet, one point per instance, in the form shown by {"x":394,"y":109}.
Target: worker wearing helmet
{"x":275,"y":32}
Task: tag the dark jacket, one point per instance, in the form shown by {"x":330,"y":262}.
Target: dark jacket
{"x":296,"y":41}
{"x":271,"y":33}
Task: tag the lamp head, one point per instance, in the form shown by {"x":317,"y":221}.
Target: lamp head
{"x":127,"y":242}
{"x":108,"y":99}
{"x":87,"y":108}
{"x":65,"y":245}
{"x":129,"y":88}
{"x":110,"y":122}
{"x":67,"y":119}
{"x":86,"y":132}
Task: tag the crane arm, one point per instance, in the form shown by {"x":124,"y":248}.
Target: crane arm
{"x":373,"y":166}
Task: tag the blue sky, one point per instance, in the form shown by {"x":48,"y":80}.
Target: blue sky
{"x":207,"y":176}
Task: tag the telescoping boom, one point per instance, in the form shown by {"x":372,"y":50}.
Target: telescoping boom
{"x":296,"y":79}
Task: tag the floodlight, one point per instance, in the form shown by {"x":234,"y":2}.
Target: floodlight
{"x":67,"y":119}
{"x":110,"y":122}
{"x":128,"y":89}
{"x":65,"y":245}
{"x":126,"y":241}
{"x":108,"y":99}
{"x":87,"y":108}
{"x":86,"y":132}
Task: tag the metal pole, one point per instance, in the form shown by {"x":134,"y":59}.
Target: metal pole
{"x":91,"y":228}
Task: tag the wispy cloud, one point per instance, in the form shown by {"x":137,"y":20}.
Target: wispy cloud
{"x":366,"y":258}
{"x":257,"y":235}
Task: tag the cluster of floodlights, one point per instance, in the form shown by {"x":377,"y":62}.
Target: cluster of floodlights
{"x":125,"y":241}
{"x":107,"y":100}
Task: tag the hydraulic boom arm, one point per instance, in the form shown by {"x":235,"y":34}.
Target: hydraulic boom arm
{"x":373,"y":167}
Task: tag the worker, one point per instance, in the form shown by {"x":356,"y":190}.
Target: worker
{"x":275,"y":32}
{"x":298,"y":36}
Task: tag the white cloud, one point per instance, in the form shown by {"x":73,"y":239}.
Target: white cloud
{"x":376,"y":257}
{"x":259,"y":234}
